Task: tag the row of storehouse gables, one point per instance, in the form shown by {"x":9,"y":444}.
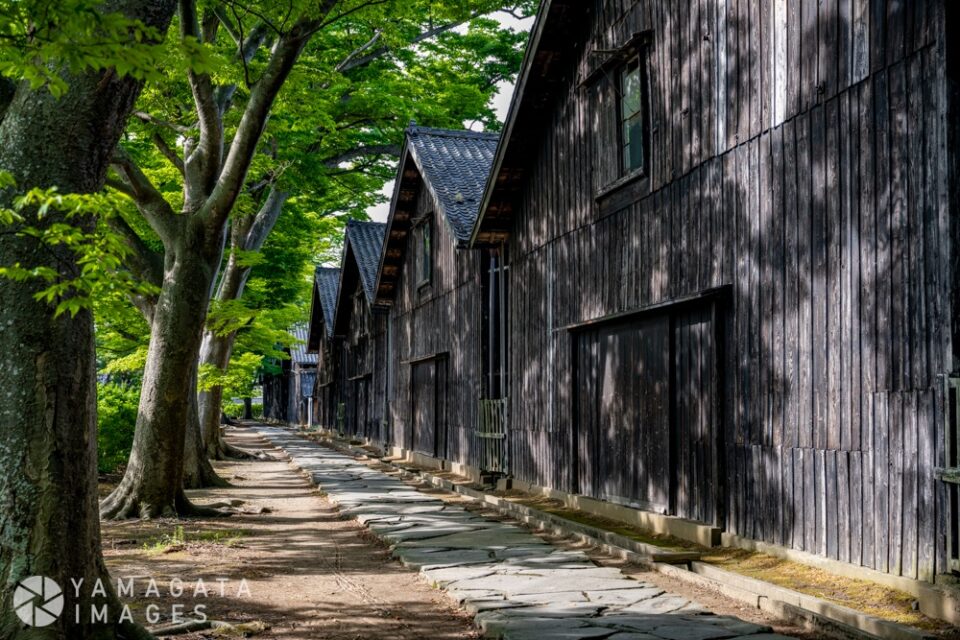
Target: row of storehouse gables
{"x":706,"y":271}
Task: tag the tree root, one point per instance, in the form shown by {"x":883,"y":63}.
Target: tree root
{"x":245,"y":629}
{"x":226,"y":451}
{"x":133,"y":631}
{"x":125,"y":503}
{"x":187,"y":509}
{"x":204,"y":477}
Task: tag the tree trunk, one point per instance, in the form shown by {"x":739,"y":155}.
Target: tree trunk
{"x":248,"y":408}
{"x":247,"y":234}
{"x":153,"y":483}
{"x":197,"y":470}
{"x":48,"y":481}
{"x":215,"y":351}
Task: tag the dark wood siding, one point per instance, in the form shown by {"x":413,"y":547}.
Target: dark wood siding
{"x":797,"y":154}
{"x":438,"y":321}
{"x":623,"y":413}
{"x":327,"y":392}
{"x":364,"y":373}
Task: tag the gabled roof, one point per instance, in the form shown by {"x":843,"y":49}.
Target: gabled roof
{"x":362,"y":246}
{"x":548,"y":63}
{"x":298,"y":352}
{"x":326,"y":281}
{"x":453,"y":165}
{"x":365,"y":240}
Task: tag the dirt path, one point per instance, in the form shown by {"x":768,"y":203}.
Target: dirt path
{"x":307,"y":573}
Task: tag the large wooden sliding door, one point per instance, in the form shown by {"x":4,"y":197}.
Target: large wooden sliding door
{"x":429,"y":407}
{"x":361,"y":390}
{"x":646,"y":419}
{"x":624,"y":418}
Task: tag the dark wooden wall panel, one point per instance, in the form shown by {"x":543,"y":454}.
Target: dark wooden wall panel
{"x":439,"y":320}
{"x":796,"y":158}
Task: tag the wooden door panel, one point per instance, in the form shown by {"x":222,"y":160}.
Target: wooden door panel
{"x":623,"y":413}
{"x":424,"y":407}
{"x":696,"y":421}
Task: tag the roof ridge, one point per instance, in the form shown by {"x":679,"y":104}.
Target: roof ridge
{"x":364,"y":223}
{"x":453,"y":133}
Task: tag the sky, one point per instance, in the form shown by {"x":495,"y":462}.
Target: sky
{"x":501,"y":104}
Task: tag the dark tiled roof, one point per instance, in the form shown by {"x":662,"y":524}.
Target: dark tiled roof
{"x":326,"y":280}
{"x":455,"y":165}
{"x":298,"y":352}
{"x":366,"y":241}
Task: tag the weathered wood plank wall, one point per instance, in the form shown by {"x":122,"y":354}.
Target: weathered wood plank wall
{"x":797,"y":152}
{"x":364,"y":377}
{"x":441,"y":319}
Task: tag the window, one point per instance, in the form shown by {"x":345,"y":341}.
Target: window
{"x":632,"y":114}
{"x":424,"y":251}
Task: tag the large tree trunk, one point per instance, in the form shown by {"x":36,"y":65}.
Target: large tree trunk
{"x":193,"y":243}
{"x":216,"y":351}
{"x":247,"y":234}
{"x":48,"y":426}
{"x":197,"y":470}
{"x":153,"y":483}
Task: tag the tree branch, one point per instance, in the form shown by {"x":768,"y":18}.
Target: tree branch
{"x":265,"y":219}
{"x":145,"y":263}
{"x":254,"y":119}
{"x":150,"y":202}
{"x":357,"y":152}
{"x":228,"y":25}
{"x":202,"y":165}
{"x":349,"y":65}
{"x":249,"y":235}
{"x":247,"y":48}
{"x":146,"y":117}
{"x":358,"y":51}
{"x":167,"y":151}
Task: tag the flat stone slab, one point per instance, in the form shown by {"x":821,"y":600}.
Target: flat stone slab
{"x":518,"y":586}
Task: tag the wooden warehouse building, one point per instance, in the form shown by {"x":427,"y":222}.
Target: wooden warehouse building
{"x":288,"y":393}
{"x":731,"y":284}
{"x":433,"y":286}
{"x":362,"y":330}
{"x":322,"y":341}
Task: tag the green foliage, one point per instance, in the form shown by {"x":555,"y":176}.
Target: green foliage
{"x":234,"y":410}
{"x":237,"y":381}
{"x":331,"y":140}
{"x":116,"y":419}
{"x":98,"y":252}
{"x":42,"y":38}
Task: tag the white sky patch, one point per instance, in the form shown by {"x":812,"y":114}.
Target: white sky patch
{"x":501,"y":103}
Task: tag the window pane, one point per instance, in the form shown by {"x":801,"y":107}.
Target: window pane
{"x":630,"y":86}
{"x":633,"y":143}
{"x":425,"y":253}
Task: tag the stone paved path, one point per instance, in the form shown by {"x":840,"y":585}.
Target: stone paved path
{"x":518,"y":586}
